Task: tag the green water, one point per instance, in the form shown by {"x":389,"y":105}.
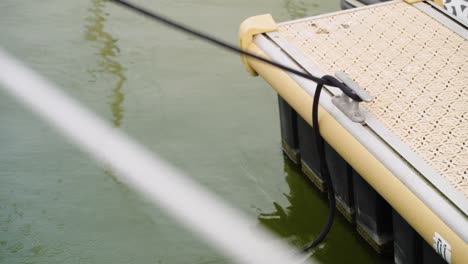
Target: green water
{"x":193,"y":104}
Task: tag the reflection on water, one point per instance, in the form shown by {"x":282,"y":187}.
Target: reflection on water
{"x":298,"y":8}
{"x":297,"y":221}
{"x":107,"y":51}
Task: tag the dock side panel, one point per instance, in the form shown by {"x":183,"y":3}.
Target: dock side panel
{"x":289,"y":134}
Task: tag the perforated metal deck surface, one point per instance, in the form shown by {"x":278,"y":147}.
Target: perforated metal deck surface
{"x":416,"y":69}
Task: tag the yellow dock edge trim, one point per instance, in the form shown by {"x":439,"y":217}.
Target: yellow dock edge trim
{"x":408,"y":205}
{"x":251,"y":27}
{"x":413,"y":1}
{"x":438,"y":2}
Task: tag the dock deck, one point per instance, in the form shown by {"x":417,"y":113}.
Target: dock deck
{"x":411,"y":148}
{"x":415,"y":74}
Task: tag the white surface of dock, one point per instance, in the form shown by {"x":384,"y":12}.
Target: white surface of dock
{"x":414,"y":67}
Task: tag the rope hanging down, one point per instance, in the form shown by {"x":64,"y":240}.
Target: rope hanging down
{"x":321,"y":81}
{"x":323,"y":171}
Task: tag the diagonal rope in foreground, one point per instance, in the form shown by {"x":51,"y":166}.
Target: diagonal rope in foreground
{"x":190,"y":204}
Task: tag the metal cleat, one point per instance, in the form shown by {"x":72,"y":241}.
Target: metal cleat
{"x":347,"y":105}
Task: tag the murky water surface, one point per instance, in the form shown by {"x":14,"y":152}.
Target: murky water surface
{"x":193,"y":104}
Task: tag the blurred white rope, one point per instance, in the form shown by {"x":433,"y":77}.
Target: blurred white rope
{"x":190,"y":204}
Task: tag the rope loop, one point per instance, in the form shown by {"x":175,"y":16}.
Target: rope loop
{"x":334,"y":82}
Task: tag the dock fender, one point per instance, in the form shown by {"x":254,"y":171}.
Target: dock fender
{"x":251,"y":27}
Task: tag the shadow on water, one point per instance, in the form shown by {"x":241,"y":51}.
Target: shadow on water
{"x":305,"y":214}
{"x":108,"y":51}
{"x":297,"y":8}
{"x":302,"y":218}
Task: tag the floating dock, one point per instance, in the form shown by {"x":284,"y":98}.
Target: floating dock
{"x":399,"y":163}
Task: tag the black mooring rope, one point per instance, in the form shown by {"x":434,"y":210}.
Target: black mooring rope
{"x":325,"y":80}
{"x":323,"y":170}
{"x":333,"y":82}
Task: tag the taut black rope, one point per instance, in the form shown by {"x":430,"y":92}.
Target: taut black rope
{"x":325,"y":80}
{"x":329,"y":82}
